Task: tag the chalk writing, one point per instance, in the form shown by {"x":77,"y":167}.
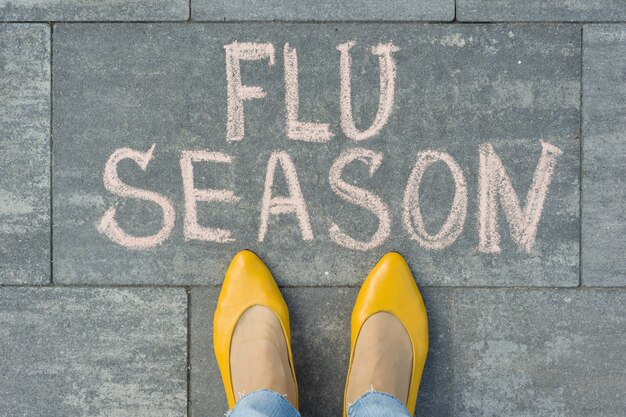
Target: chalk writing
{"x":296,"y":130}
{"x":237,"y":93}
{"x":412,"y":215}
{"x":495,"y":187}
{"x":360,"y":197}
{"x":192,"y":230}
{"x":292,"y":204}
{"x":109,"y":226}
{"x":387,"y":90}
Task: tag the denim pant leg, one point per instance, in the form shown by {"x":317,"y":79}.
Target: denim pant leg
{"x":263,"y":403}
{"x":378,"y":404}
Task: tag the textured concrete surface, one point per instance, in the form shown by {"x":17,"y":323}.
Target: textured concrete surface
{"x":93,"y":352}
{"x":320,"y":326}
{"x":80,"y":341}
{"x":540,"y":353}
{"x":325,"y":10}
{"x":93,"y":10}
{"x":541,"y":10}
{"x":458,"y":86}
{"x":604,"y":150}
{"x":24,"y":153}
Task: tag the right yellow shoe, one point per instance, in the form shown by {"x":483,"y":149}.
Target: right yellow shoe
{"x":248,"y":283}
{"x":390,"y":288}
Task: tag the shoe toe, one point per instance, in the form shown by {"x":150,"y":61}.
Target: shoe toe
{"x":390,"y":287}
{"x":248,"y":282}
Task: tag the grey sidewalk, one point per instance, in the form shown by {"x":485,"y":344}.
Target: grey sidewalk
{"x":90,"y":327}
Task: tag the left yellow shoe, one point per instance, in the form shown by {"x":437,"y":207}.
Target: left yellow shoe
{"x":389,"y":288}
{"x":248,"y":283}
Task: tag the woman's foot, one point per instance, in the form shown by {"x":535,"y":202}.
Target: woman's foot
{"x":251,"y":335}
{"x":259,"y":358}
{"x":389,"y":337}
{"x":383,"y":358}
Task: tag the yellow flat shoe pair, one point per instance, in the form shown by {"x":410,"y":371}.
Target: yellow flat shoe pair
{"x":389,"y":287}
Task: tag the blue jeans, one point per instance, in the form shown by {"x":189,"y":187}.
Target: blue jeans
{"x":266,"y":403}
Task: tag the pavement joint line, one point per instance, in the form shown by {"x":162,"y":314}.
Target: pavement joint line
{"x":217,"y":286}
{"x":188,"y":290}
{"x":580,"y":165}
{"x":51,"y":140}
{"x":317,"y":22}
{"x":452,"y":345}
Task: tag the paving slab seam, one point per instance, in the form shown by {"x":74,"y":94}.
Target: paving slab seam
{"x":540,"y":22}
{"x":338,"y":287}
{"x":51,"y":22}
{"x":321,"y":22}
{"x":317,"y":22}
{"x":188,"y":290}
{"x":580,"y":164}
{"x":51,"y":213}
{"x":452,"y":342}
{"x":113,"y":286}
{"x":456,"y":12}
{"x":269,"y":22}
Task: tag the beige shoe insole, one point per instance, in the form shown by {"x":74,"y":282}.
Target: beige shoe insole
{"x":258,"y":355}
{"x":383,"y":359}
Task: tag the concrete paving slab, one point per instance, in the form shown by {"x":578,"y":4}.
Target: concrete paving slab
{"x":24,"y":153}
{"x":604,"y":153}
{"x":320,"y":326}
{"x":95,"y":10}
{"x":540,"y":352}
{"x":158,"y":94}
{"x":325,"y":10}
{"x":93,"y":352}
{"x":541,"y":10}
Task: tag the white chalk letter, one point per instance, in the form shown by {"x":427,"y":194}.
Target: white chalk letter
{"x":191,"y":228}
{"x":387,"y":90}
{"x":412,"y":215}
{"x":236,"y":92}
{"x":495,"y":186}
{"x":109,"y":226}
{"x":296,"y":130}
{"x":360,"y":197}
{"x":294,"y":203}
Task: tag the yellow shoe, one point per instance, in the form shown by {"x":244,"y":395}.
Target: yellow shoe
{"x":248,"y":282}
{"x":390,"y":288}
